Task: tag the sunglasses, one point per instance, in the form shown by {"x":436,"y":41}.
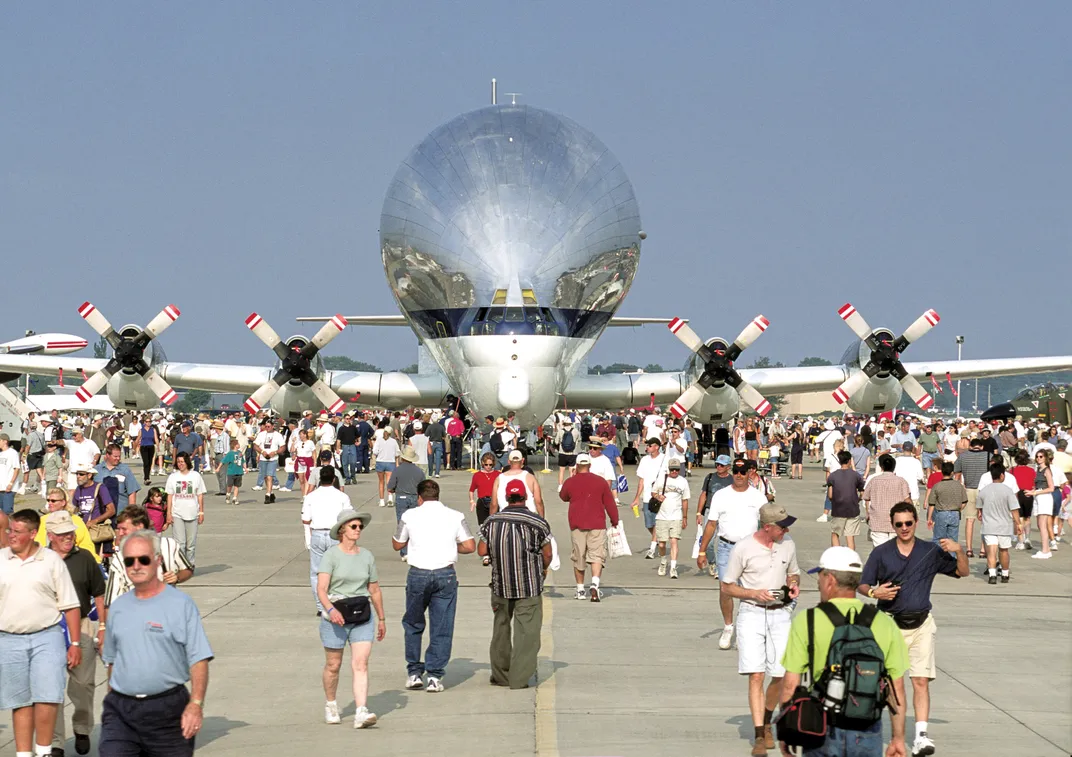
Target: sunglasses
{"x":489,"y":465}
{"x":740,"y":473}
{"x":140,"y":559}
{"x":354,"y":526}
{"x":675,"y":470}
{"x":904,"y":524}
{"x":50,"y":499}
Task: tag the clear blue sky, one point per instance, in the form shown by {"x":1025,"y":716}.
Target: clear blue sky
{"x":787,"y":157}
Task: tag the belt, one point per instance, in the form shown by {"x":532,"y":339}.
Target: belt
{"x":721,"y":538}
{"x":170,"y":691}
{"x":319,"y":529}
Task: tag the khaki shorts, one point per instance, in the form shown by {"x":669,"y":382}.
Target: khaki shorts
{"x":667,"y":529}
{"x":588,"y":547}
{"x":1002,"y":542}
{"x":880,"y":537}
{"x":920,"y":642}
{"x":970,"y":512}
{"x":847,"y":526}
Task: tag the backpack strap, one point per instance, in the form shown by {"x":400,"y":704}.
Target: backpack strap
{"x":867,"y":615}
{"x":811,"y":644}
{"x":833,"y":614}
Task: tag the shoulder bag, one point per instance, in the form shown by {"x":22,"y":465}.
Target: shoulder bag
{"x":654,"y":504}
{"x":103,"y":531}
{"x":802,"y":721}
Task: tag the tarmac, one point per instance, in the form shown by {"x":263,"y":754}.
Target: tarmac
{"x":638,"y":674}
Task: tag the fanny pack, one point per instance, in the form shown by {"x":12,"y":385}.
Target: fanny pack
{"x":354,"y":610}
{"x":911,"y":620}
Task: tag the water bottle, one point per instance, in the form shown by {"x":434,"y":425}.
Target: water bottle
{"x":835,"y":693}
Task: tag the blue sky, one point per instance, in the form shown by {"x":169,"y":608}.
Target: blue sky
{"x":231,"y":157}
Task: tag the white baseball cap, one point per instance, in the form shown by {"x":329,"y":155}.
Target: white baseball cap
{"x":583,"y":459}
{"x":840,"y":558}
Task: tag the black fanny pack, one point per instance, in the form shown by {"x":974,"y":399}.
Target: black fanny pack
{"x":356,"y":610}
{"x":911,"y":620}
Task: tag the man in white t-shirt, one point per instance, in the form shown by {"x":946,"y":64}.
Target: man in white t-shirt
{"x":325,"y":433}
{"x":267,"y":445}
{"x":911,"y":470}
{"x":733,"y":514}
{"x":653,"y":425}
{"x":80,"y":451}
{"x":650,"y":466}
{"x":671,"y":489}
{"x":10,"y":468}
{"x":603,"y":467}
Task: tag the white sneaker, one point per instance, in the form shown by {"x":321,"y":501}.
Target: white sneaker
{"x":331,"y":713}
{"x":662,"y":569}
{"x":1053,"y":545}
{"x":922,"y":746}
{"x":726,"y":637}
{"x":282,"y":489}
{"x":258,"y":488}
{"x":1042,"y":555}
{"x":434,"y":685}
{"x":363,"y":718}
{"x":382,"y":503}
{"x":414,"y":682}
{"x":823,"y":518}
{"x":581,"y":594}
{"x":673,"y":573}
{"x":1020,"y":546}
{"x":650,"y":554}
{"x":712,"y":571}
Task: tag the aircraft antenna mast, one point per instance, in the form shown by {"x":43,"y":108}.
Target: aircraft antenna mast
{"x":494,"y":93}
{"x":513,"y":97}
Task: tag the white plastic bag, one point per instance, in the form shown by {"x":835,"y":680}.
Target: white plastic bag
{"x":696,"y":544}
{"x":555,"y":562}
{"x":617,"y":544}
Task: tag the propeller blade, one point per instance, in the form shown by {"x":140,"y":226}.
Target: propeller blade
{"x":267,"y":334}
{"x":327,"y":332}
{"x":263,"y":396}
{"x":750,"y":334}
{"x":753,"y":398}
{"x":850,"y":386}
{"x":692,"y":395}
{"x":163,"y":319}
{"x":855,"y":321}
{"x":915,"y":390}
{"x":99,"y":323}
{"x":327,"y":395}
{"x":94,"y":384}
{"x":159,"y":387}
{"x":919,"y":327}
{"x":684,"y":332}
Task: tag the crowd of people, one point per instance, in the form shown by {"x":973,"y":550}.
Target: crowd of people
{"x":69,"y":565}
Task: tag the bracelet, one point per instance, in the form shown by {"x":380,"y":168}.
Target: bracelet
{"x":199,"y":702}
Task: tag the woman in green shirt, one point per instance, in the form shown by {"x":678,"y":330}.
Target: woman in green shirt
{"x":347,"y":570}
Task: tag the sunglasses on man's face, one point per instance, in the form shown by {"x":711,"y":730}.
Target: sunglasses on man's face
{"x":904,"y":524}
{"x":140,"y":559}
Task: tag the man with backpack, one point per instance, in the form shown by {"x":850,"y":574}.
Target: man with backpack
{"x":842,"y":634}
{"x":502,"y":441}
{"x":566,"y":440}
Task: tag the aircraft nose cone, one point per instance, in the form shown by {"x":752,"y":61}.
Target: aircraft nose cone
{"x":513,"y":389}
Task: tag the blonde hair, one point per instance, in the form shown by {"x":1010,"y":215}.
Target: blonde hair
{"x":839,"y":445}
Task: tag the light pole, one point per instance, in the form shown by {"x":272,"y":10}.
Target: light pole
{"x":960,"y":344}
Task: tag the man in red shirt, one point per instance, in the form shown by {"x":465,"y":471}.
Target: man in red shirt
{"x":590,"y":504}
{"x":455,"y":428}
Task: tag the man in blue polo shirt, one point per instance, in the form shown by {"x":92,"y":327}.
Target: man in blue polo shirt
{"x":899,"y":574}
{"x":190,"y":442}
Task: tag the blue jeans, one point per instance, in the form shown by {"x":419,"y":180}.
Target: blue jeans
{"x":266,"y":469}
{"x":363,"y":458}
{"x":7,"y":502}
{"x":843,"y":743}
{"x":434,"y":591}
{"x":946,"y":525}
{"x":435,"y":462}
{"x":404,"y":502}
{"x":348,"y":458}
{"x":319,"y":543}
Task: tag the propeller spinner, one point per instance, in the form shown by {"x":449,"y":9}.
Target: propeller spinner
{"x":295,"y":363}
{"x":718,"y":366}
{"x":885,"y":355}
{"x":128,"y":352}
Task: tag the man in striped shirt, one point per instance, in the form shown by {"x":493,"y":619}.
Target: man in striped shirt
{"x":174,"y":567}
{"x":881,"y":493}
{"x":518,"y":541}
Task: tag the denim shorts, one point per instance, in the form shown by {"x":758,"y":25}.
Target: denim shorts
{"x":722,"y":556}
{"x":751,"y":444}
{"x":384,"y":467}
{"x":649,"y":516}
{"x":33,"y":668}
{"x":337,"y":637}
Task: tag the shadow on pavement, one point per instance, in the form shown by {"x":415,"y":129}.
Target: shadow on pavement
{"x":210,"y":569}
{"x":216,"y":727}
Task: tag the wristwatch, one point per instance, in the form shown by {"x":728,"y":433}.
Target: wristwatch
{"x":76,"y":643}
{"x":871,"y":592}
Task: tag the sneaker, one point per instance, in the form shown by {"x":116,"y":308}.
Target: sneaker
{"x":283,"y":489}
{"x":405,"y":559}
{"x":1005,"y":579}
{"x":434,"y":685}
{"x":673,"y":572}
{"x":649,"y":555}
{"x":1053,"y":545}
{"x":1020,"y":546}
{"x":922,"y":745}
{"x":1027,"y":544}
{"x":257,"y":488}
{"x":1042,"y":555}
{"x":992,"y":580}
{"x":382,"y":503}
{"x":712,"y":571}
{"x":823,"y":518}
{"x":662,"y":569}
{"x":596,"y":594}
{"x":331,"y":713}
{"x":581,"y":594}
{"x":415,"y":682}
{"x":363,"y":718}
{"x":726,"y":637}
{"x":267,"y":499}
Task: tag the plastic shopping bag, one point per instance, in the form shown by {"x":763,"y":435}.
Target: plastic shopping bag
{"x":617,"y":544}
{"x":555,"y":562}
{"x":623,"y":484}
{"x":696,"y":544}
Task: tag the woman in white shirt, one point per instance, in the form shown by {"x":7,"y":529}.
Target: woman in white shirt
{"x":386,"y":452}
{"x":185,"y":504}
{"x":304,"y":449}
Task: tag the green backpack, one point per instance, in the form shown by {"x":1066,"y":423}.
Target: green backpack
{"x":854,"y":685}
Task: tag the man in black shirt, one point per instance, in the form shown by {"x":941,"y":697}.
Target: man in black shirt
{"x":346,"y":446}
{"x":437,"y":438}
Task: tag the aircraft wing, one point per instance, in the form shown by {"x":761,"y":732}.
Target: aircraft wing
{"x":400,"y":320}
{"x":1012,"y":366}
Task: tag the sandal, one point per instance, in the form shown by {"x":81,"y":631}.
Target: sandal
{"x":487,"y":561}
{"x":969,"y":553}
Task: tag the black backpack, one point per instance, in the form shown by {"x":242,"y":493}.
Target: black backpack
{"x":854,"y":685}
{"x":496,"y":442}
{"x":568,"y":442}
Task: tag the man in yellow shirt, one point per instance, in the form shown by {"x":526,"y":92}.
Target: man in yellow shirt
{"x":56,"y":499}
{"x":839,"y":572}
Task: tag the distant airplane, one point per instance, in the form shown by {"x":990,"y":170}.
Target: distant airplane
{"x":43,"y":344}
{"x":509,"y":238}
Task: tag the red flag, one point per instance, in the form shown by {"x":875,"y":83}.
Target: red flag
{"x":886,"y":416}
{"x":952,"y":388}
{"x":937,"y":386}
{"x":61,"y":377}
{"x":84,"y":376}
